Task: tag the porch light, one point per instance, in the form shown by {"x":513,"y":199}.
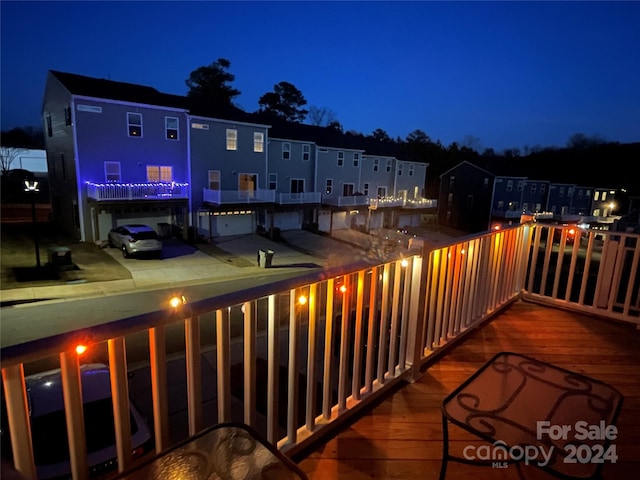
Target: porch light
{"x":302,"y":300}
{"x":177,"y":301}
{"x":404,"y":262}
{"x":80,"y":349}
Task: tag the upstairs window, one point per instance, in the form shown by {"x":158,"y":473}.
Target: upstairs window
{"x":306,"y":152}
{"x":509,"y":185}
{"x":356,"y":159}
{"x":134,"y":124}
{"x":400,"y":166}
{"x":452,"y":181}
{"x":376,"y":162}
{"x":365,"y":189}
{"x":232,"y":139}
{"x":389,"y":164}
{"x":258,"y":142}
{"x":533,"y":189}
{"x":411,"y":170}
{"x":49,"y":126}
{"x":214,"y":179}
{"x":159,"y":173}
{"x":543,"y":188}
{"x":273,"y":181}
{"x":112,"y":171}
{"x":67,"y":116}
{"x":286,"y":151}
{"x":171,"y":128}
{"x":340,"y":159}
{"x":329,"y":186}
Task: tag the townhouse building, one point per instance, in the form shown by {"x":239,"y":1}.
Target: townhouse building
{"x":125,"y":153}
{"x":117,"y":153}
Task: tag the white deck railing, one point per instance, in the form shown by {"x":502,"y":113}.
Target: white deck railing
{"x":137,"y":191}
{"x":342,"y":337}
{"x":219,"y":197}
{"x":298,"y":198}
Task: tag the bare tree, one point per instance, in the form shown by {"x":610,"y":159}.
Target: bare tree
{"x":321,"y":116}
{"x":8,"y":156}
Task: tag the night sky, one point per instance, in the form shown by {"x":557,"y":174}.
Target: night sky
{"x":488,"y":74}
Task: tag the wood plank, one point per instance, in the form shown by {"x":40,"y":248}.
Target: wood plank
{"x":401,"y":437}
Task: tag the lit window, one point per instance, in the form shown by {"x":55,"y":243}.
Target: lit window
{"x":112,"y":171}
{"x":286,"y":151}
{"x":214,"y":179}
{"x":134,"y":123}
{"x":171,"y":128}
{"x":258,"y":142}
{"x":159,"y":173}
{"x":306,"y":152}
{"x":340,"y":159}
{"x":232,"y":139}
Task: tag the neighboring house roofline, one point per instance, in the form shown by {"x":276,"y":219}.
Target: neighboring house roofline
{"x":223,"y":120}
{"x":129,"y":103}
{"x":469,"y":163}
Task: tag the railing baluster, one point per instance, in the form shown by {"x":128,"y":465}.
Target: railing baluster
{"x":194,"y":382}
{"x":273,"y":370}
{"x":15,"y":393}
{"x":357,"y":340}
{"x":120,"y":397}
{"x":344,"y":346}
{"x":395,"y":314}
{"x":372,"y":325}
{"x":384,"y":323}
{"x":74,"y":414}
{"x":158,"y":364}
{"x":328,"y":352}
{"x":223,"y":363}
{"x":292,"y":390}
{"x":311,"y":358}
{"x":250,"y":335}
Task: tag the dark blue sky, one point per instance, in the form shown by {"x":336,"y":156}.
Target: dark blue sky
{"x":510,"y":74}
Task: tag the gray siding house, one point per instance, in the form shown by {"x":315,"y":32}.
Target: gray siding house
{"x":117,"y":152}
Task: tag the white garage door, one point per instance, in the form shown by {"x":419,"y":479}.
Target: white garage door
{"x":234,"y":224}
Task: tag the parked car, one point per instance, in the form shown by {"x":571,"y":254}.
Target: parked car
{"x":135,"y":240}
{"x":49,"y":430}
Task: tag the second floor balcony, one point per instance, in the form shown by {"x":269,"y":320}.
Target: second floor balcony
{"x":116,"y":191}
{"x":221,"y":197}
{"x":298,"y":198}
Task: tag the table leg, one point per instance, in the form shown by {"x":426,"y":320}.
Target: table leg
{"x":445,"y":448}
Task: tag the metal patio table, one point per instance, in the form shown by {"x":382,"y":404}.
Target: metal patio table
{"x":528,"y":410}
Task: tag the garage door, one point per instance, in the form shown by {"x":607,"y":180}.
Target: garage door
{"x":233,"y":224}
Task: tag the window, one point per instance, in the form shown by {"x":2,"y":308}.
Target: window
{"x":469,"y":201}
{"x":297,"y":185}
{"x":340,"y":159}
{"x":214,"y":179}
{"x":67,"y":116}
{"x":509,"y":185}
{"x":382,"y":192}
{"x":376,"y":162}
{"x":171,"y":128}
{"x":570,"y":191}
{"x":159,"y":173}
{"x":452,"y":181}
{"x":561,"y":192}
{"x":356,"y":159}
{"x":533,"y":188}
{"x":389,"y":162}
{"x":232,"y":139}
{"x":347,"y":189}
{"x":134,"y":124}
{"x":365,"y":189}
{"x":329,"y":186}
{"x":273,"y":181}
{"x":306,"y":152}
{"x":543,"y":188}
{"x":486,"y":182}
{"x":520,"y":185}
{"x":411,"y":170}
{"x":258,"y":142}
{"x":450,"y":200}
{"x":286,"y":151}
{"x":112,"y":171}
{"x":49,"y":126}
{"x":400,"y":167}
{"x":604,"y":196}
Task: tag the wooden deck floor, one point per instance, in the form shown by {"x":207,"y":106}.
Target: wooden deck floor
{"x":401,"y":437}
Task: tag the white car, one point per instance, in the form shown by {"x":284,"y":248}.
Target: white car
{"x":135,"y":240}
{"x":48,"y":424}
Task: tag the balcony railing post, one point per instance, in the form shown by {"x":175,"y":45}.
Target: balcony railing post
{"x":417,"y":313}
{"x":120,"y":395}
{"x":15,"y":393}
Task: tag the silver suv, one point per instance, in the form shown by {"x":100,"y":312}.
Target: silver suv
{"x":135,"y":239}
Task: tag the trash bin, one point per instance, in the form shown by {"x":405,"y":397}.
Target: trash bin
{"x":60,"y":256}
{"x":264,"y":258}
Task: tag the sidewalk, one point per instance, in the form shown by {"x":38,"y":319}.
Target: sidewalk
{"x":229,"y":258}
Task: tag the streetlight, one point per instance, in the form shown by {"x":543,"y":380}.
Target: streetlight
{"x":31,"y":187}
